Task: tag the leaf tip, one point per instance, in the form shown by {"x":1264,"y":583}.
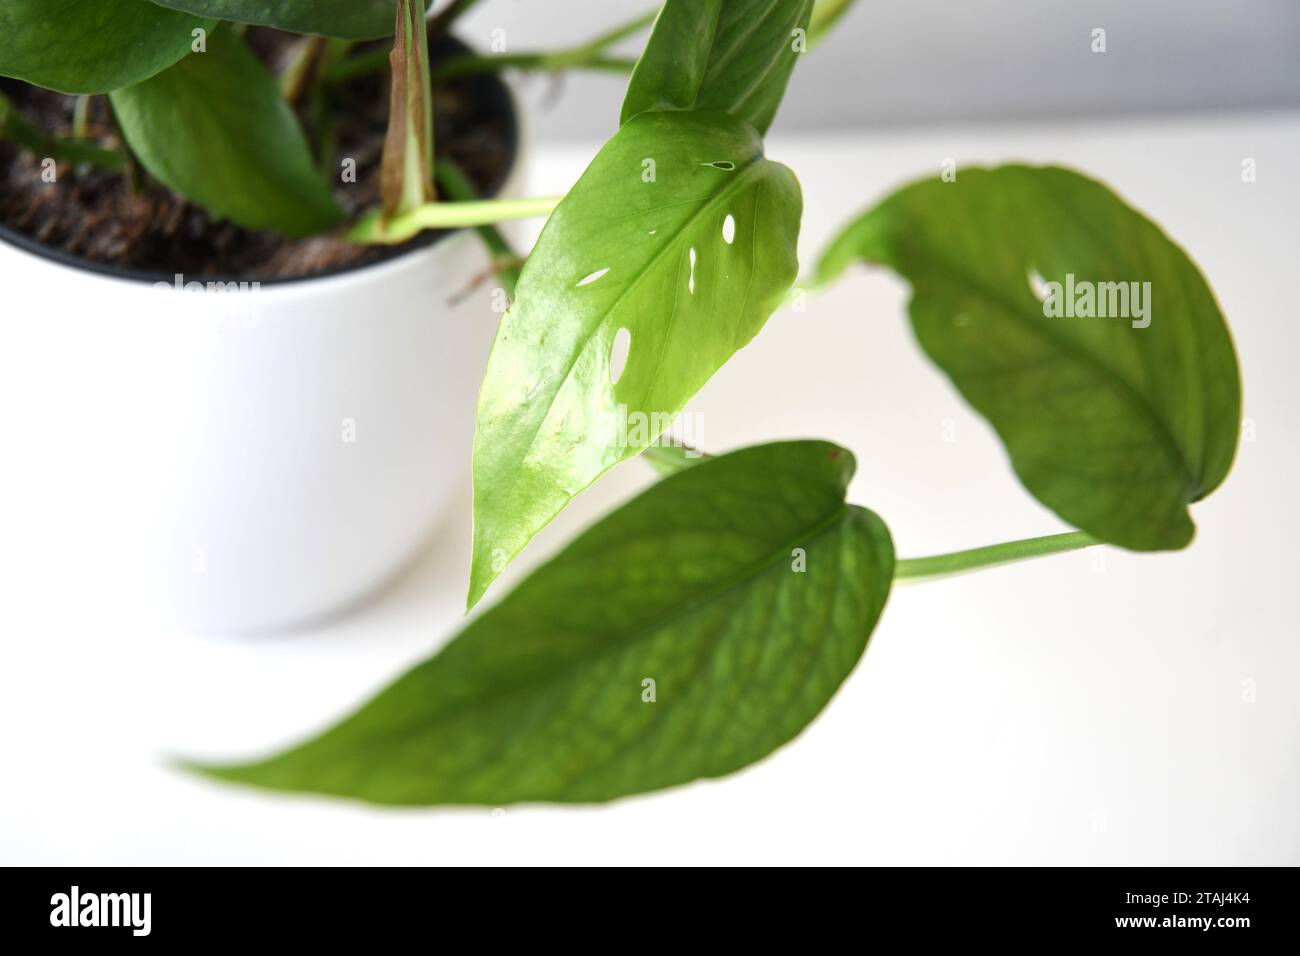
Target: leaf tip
{"x":483,"y":571}
{"x":197,"y":768}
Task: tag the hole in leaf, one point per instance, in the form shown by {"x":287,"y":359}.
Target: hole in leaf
{"x":588,"y":280}
{"x":690,"y":283}
{"x":1037,"y":285}
{"x":722,"y":164}
{"x":729,"y":229}
{"x":618,"y":353}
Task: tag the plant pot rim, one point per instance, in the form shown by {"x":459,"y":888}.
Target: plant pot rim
{"x":500,"y":100}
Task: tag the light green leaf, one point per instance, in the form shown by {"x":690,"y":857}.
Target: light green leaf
{"x":215,"y":129}
{"x":676,"y":639}
{"x":90,"y":46}
{"x":826,"y":14}
{"x":679,"y":232}
{"x":346,"y":19}
{"x":734,"y":56}
{"x":1116,"y":424}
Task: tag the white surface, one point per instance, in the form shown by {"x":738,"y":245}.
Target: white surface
{"x":1085,"y":708}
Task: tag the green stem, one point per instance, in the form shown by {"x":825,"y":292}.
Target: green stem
{"x":626,"y":30}
{"x":16,"y":129}
{"x":81,"y":117}
{"x":959,"y":561}
{"x":326,"y":132}
{"x":363,"y":64}
{"x":449,"y":215}
{"x":473,"y":65}
{"x":610,"y":64}
{"x":303,"y":69}
{"x":585,"y":56}
{"x":670,"y":459}
{"x":505,"y":261}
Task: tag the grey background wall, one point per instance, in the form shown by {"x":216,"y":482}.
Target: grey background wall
{"x":896,"y":62}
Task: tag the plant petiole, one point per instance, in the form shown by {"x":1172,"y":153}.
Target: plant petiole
{"x":448,"y":215}
{"x":586,"y":56}
{"x":1004,"y":553}
{"x":505,"y":261}
{"x":17,"y":129}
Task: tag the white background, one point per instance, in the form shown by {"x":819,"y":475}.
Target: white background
{"x":892,"y":62}
{"x":1084,"y":708}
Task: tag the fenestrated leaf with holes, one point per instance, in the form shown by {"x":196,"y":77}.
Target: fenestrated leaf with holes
{"x":675,"y":639}
{"x":680,"y":232}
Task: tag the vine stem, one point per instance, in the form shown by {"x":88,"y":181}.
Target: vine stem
{"x":669,"y":460}
{"x":505,"y":261}
{"x":17,"y":129}
{"x":1008,"y":551}
{"x":473,"y":65}
{"x":303,"y":68}
{"x":449,"y":215}
{"x":586,"y":56}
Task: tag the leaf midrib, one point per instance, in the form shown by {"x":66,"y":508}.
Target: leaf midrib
{"x":746,"y":574}
{"x":744,"y":176}
{"x":1165,"y":438}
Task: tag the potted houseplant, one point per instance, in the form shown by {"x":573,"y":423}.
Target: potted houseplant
{"x":706,"y":622}
{"x":180,"y":182}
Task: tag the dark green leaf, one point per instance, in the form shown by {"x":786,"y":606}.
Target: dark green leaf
{"x":734,"y":56}
{"x":691,"y":263}
{"x":694,"y":586}
{"x":90,"y":46}
{"x":215,"y":129}
{"x":346,"y":19}
{"x":1114,"y":423}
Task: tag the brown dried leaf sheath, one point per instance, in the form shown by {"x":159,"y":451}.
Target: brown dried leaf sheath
{"x":410,"y":125}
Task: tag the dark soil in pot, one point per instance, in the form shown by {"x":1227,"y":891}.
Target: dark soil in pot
{"x":96,"y":216}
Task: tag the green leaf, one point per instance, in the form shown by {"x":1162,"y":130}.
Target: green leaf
{"x":90,"y":46}
{"x":1116,"y":424}
{"x":693,"y":586}
{"x":345,"y":19}
{"x":215,"y":129}
{"x":826,"y":14}
{"x":734,"y":56}
{"x":621,"y":252}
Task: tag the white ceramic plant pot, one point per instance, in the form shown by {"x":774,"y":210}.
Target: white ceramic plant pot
{"x":248,"y":460}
